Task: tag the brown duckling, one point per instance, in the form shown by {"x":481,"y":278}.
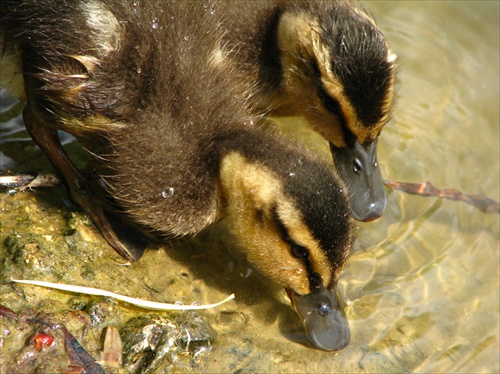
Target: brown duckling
{"x":144,"y":88}
{"x":328,"y":62}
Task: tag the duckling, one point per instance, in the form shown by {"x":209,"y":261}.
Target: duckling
{"x":326,"y":61}
{"x":144,"y":88}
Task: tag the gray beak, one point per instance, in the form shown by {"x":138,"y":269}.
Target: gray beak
{"x":359,"y":169}
{"x":323,"y":318}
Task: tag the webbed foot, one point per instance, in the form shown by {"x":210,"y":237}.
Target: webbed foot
{"x":122,"y":238}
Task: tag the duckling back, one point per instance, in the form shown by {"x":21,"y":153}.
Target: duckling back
{"x":139,"y":87}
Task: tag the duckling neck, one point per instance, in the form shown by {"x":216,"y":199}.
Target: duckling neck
{"x":262,"y":46}
{"x":245,"y":186}
{"x":250,"y":169}
{"x":253,"y":45}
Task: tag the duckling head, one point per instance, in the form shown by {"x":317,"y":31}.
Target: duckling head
{"x":294,"y":227}
{"x":338,"y":72}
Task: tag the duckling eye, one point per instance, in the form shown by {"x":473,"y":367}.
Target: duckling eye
{"x":357,"y":166}
{"x":299,"y":252}
{"x":331,"y":104}
{"x":323,"y":309}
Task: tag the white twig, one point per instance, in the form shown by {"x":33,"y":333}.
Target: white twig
{"x":130,"y":300}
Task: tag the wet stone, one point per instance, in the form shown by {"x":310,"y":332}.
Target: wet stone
{"x":25,"y":249}
{"x":196,"y":332}
{"x":103,"y":312}
{"x":155,"y":342}
{"x":78,"y":303}
{"x":36,"y":341}
{"x":146,"y":341}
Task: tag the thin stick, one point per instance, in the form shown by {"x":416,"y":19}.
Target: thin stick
{"x":480,"y":201}
{"x":130,"y":300}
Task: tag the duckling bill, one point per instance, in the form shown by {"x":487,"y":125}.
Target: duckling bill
{"x":328,"y":62}
{"x":147,"y":90}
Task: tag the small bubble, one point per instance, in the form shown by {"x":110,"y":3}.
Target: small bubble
{"x":186,"y":37}
{"x":178,"y":303}
{"x":210,"y":9}
{"x":292,"y":174}
{"x":154,"y":23}
{"x":167,"y":193}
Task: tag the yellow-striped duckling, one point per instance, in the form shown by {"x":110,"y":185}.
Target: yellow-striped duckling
{"x":328,"y":62}
{"x":146,"y":89}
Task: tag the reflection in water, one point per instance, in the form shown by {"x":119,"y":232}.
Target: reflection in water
{"x":422,"y":283}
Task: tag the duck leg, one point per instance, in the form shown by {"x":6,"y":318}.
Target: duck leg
{"x":127,"y":244}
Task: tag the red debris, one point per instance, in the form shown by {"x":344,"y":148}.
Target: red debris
{"x":42,"y":339}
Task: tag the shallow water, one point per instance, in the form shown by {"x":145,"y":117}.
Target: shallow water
{"x":426,"y":274}
{"x":423,"y":282}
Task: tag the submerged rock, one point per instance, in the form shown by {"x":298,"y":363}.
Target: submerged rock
{"x":44,"y":240}
{"x":51,"y":337}
{"x":153,"y":342}
{"x":37,"y":340}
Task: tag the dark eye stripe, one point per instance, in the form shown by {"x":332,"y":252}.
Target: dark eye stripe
{"x":329,"y":102}
{"x":298,"y":251}
{"x":332,"y":105}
